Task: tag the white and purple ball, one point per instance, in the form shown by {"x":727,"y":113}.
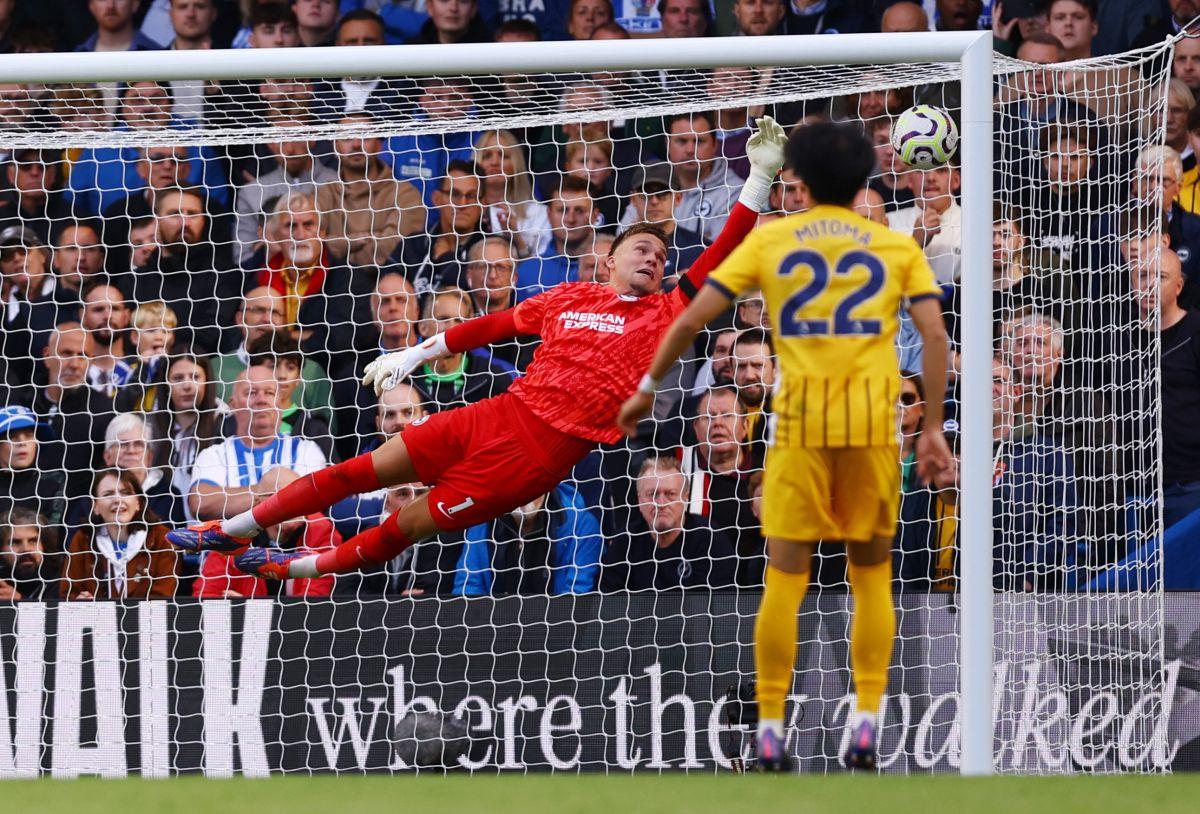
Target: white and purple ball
{"x":924,"y":137}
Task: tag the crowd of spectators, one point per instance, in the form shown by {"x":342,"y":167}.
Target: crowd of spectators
{"x":185,"y":327}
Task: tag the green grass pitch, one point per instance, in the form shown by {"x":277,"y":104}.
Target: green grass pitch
{"x":643,"y":794}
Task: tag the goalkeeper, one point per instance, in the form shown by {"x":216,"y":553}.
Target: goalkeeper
{"x":834,"y":282}
{"x":486,"y":459}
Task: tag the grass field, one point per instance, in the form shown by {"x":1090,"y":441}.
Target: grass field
{"x":689,"y":794}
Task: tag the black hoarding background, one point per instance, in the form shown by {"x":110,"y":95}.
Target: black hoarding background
{"x":591,"y":682}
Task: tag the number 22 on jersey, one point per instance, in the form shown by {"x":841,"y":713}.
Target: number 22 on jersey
{"x":842,"y":322}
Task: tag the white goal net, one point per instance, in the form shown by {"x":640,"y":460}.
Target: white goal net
{"x":196,"y":273}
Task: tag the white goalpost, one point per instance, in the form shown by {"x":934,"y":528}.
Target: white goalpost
{"x":1004,"y":662}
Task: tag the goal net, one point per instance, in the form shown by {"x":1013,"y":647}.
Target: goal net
{"x":196,"y":273}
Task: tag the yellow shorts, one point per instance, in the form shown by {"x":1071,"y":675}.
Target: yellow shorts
{"x":817,"y":493}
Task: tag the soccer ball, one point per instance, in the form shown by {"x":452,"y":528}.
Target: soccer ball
{"x":924,"y":137}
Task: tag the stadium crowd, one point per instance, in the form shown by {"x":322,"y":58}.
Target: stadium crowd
{"x":185,"y":328}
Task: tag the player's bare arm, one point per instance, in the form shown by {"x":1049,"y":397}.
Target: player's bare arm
{"x":933,"y":453}
{"x":708,"y":304}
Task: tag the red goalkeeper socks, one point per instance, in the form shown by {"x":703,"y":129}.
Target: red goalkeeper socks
{"x":371,"y":547}
{"x":318,"y":491}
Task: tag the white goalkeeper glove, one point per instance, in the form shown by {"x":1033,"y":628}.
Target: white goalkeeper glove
{"x":392,"y":368}
{"x":765,"y":151}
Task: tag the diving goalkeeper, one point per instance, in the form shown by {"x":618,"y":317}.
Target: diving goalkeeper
{"x":486,"y":459}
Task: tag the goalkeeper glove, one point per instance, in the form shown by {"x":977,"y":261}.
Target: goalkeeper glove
{"x":392,"y":368}
{"x":765,"y":151}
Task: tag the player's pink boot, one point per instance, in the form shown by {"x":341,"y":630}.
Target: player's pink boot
{"x":861,"y":754}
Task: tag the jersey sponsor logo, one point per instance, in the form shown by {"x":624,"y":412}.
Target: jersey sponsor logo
{"x":602,"y":323}
{"x":466,"y":504}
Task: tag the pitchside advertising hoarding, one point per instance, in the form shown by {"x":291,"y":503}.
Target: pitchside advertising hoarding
{"x":595,"y":682}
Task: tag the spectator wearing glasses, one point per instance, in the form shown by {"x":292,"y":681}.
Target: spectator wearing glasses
{"x":490,"y":278}
{"x":665,"y":546}
{"x":29,"y":559}
{"x":129,"y":446}
{"x":435,"y":258}
{"x":122,"y":551}
{"x":460,"y":378}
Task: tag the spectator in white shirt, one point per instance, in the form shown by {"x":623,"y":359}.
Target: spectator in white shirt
{"x":231,"y":477}
{"x":935,"y":220}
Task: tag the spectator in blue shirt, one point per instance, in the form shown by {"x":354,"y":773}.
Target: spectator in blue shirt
{"x":573,"y":218}
{"x":423,"y":159}
{"x":114,"y":28}
{"x":103,"y":175}
{"x":552,"y":545}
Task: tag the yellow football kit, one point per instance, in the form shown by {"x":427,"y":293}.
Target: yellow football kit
{"x":833,"y":283}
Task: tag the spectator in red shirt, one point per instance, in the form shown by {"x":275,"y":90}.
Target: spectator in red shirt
{"x":221,"y":579}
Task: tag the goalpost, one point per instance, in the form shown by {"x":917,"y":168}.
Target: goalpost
{"x":997,"y":709}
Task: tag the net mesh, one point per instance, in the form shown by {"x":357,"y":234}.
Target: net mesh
{"x":196,"y":274}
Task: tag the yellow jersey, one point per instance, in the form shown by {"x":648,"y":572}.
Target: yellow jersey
{"x":833,"y":283}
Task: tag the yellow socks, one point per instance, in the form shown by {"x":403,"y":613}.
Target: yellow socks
{"x":775,"y":639}
{"x":873,"y":631}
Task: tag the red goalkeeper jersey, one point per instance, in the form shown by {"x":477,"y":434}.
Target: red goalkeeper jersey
{"x":596,"y":343}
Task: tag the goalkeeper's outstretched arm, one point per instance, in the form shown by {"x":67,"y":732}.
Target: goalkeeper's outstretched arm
{"x":391,"y":368}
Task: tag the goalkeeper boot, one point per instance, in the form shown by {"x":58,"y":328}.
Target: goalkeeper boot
{"x":771,"y":755}
{"x":861,"y":754}
{"x":208,"y":537}
{"x":268,"y":563}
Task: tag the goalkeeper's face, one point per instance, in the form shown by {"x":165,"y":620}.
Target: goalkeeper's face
{"x":636,"y":266}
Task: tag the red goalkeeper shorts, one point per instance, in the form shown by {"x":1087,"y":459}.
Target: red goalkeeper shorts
{"x":488,"y":458}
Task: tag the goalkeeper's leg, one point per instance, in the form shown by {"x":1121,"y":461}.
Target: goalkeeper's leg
{"x":372,"y":547}
{"x":788,"y":573}
{"x":872,"y":636}
{"x":388,"y":465}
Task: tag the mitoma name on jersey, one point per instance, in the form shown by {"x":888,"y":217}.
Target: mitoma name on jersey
{"x":832,"y":227}
{"x":604,"y":323}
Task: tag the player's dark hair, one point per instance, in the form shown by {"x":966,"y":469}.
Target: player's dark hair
{"x":520,"y":27}
{"x":833,"y":160}
{"x":756,"y":336}
{"x":634,"y":231}
{"x":271,"y":14}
